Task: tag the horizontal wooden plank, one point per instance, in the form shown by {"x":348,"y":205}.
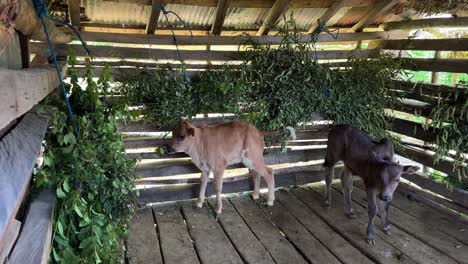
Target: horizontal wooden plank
{"x":256,"y":4}
{"x":426,"y":23}
{"x":173,"y":168}
{"x":457,"y":195}
{"x":34,"y":242}
{"x":426,"y":88}
{"x":10,"y":240}
{"x":233,"y":40}
{"x":189,"y":191}
{"x":459,"y":44}
{"x":18,"y":152}
{"x":18,"y":94}
{"x":427,"y":159}
{"x":412,"y":129}
{"x":413,"y":107}
{"x":433,"y":200}
{"x":437,"y":65}
{"x":168,"y":54}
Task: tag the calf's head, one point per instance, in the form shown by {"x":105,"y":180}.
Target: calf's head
{"x":389,"y":174}
{"x":183,"y":136}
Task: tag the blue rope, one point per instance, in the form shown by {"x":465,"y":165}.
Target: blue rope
{"x":42,"y":13}
{"x":165,"y":13}
{"x":315,"y":35}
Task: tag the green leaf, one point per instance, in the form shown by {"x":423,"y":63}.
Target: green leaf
{"x":60,"y":193}
{"x":77,"y":210}
{"x":69,"y":139}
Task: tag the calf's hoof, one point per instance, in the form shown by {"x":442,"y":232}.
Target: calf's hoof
{"x":326,"y":204}
{"x":351,"y":215}
{"x":199,"y":204}
{"x":386,"y":230}
{"x":270,"y":203}
{"x":370,"y":241}
{"x":255,"y":196}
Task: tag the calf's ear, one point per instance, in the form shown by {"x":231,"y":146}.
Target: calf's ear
{"x":410,"y":169}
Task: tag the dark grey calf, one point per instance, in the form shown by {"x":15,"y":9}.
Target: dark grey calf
{"x":373,"y":161}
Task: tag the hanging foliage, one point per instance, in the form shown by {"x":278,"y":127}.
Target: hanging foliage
{"x":432,"y":7}
{"x":91,"y":176}
{"x":275,"y":87}
{"x":450,"y":117}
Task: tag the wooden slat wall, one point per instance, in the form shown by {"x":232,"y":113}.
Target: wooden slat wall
{"x":19,"y":150}
{"x":34,"y":242}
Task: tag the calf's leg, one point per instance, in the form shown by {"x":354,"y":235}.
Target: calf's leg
{"x":218,"y":188}
{"x":256,"y":179}
{"x":329,"y":175}
{"x":203,"y":183}
{"x":347,"y":184}
{"x":372,"y":212}
{"x":385,"y":220}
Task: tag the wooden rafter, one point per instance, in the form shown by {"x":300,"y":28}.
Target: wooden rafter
{"x":378,"y":10}
{"x":336,"y":11}
{"x":256,"y":3}
{"x":74,"y":12}
{"x":426,"y":23}
{"x":154,"y":16}
{"x":219,"y":18}
{"x":278,"y":8}
{"x":232,"y":40}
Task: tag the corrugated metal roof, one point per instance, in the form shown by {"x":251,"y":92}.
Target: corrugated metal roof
{"x":304,"y":17}
{"x":118,"y":13}
{"x":107,"y":12}
{"x":353,"y":16}
{"x":245,"y":18}
{"x":195,"y":16}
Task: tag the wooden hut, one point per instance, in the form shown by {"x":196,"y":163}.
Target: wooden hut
{"x":429,"y":219}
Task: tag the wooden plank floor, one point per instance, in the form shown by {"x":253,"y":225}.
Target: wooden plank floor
{"x":297,"y":229}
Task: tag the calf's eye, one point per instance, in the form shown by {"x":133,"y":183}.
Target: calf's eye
{"x":180,"y":138}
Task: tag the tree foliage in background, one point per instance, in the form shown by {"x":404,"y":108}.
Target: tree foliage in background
{"x":91,"y":176}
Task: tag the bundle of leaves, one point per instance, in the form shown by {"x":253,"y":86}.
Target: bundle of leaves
{"x":450,"y":117}
{"x":93,"y":179}
{"x":164,"y":94}
{"x":218,"y":91}
{"x":286,"y":86}
{"x":432,"y":7}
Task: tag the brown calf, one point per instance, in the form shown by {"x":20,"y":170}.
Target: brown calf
{"x":214,"y":147}
{"x":373,"y":161}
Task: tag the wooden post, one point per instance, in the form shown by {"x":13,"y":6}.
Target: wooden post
{"x":74,"y":12}
{"x":278,"y":8}
{"x":154,"y":16}
{"x":24,"y":45}
{"x":377,"y":11}
{"x":436,"y":75}
{"x":221,"y":11}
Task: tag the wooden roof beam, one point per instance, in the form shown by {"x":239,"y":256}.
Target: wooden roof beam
{"x":378,"y":10}
{"x":426,"y":23}
{"x":255,"y":3}
{"x":278,"y":8}
{"x":74,"y":12}
{"x":335,"y":12}
{"x":221,"y":11}
{"x":154,"y":16}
